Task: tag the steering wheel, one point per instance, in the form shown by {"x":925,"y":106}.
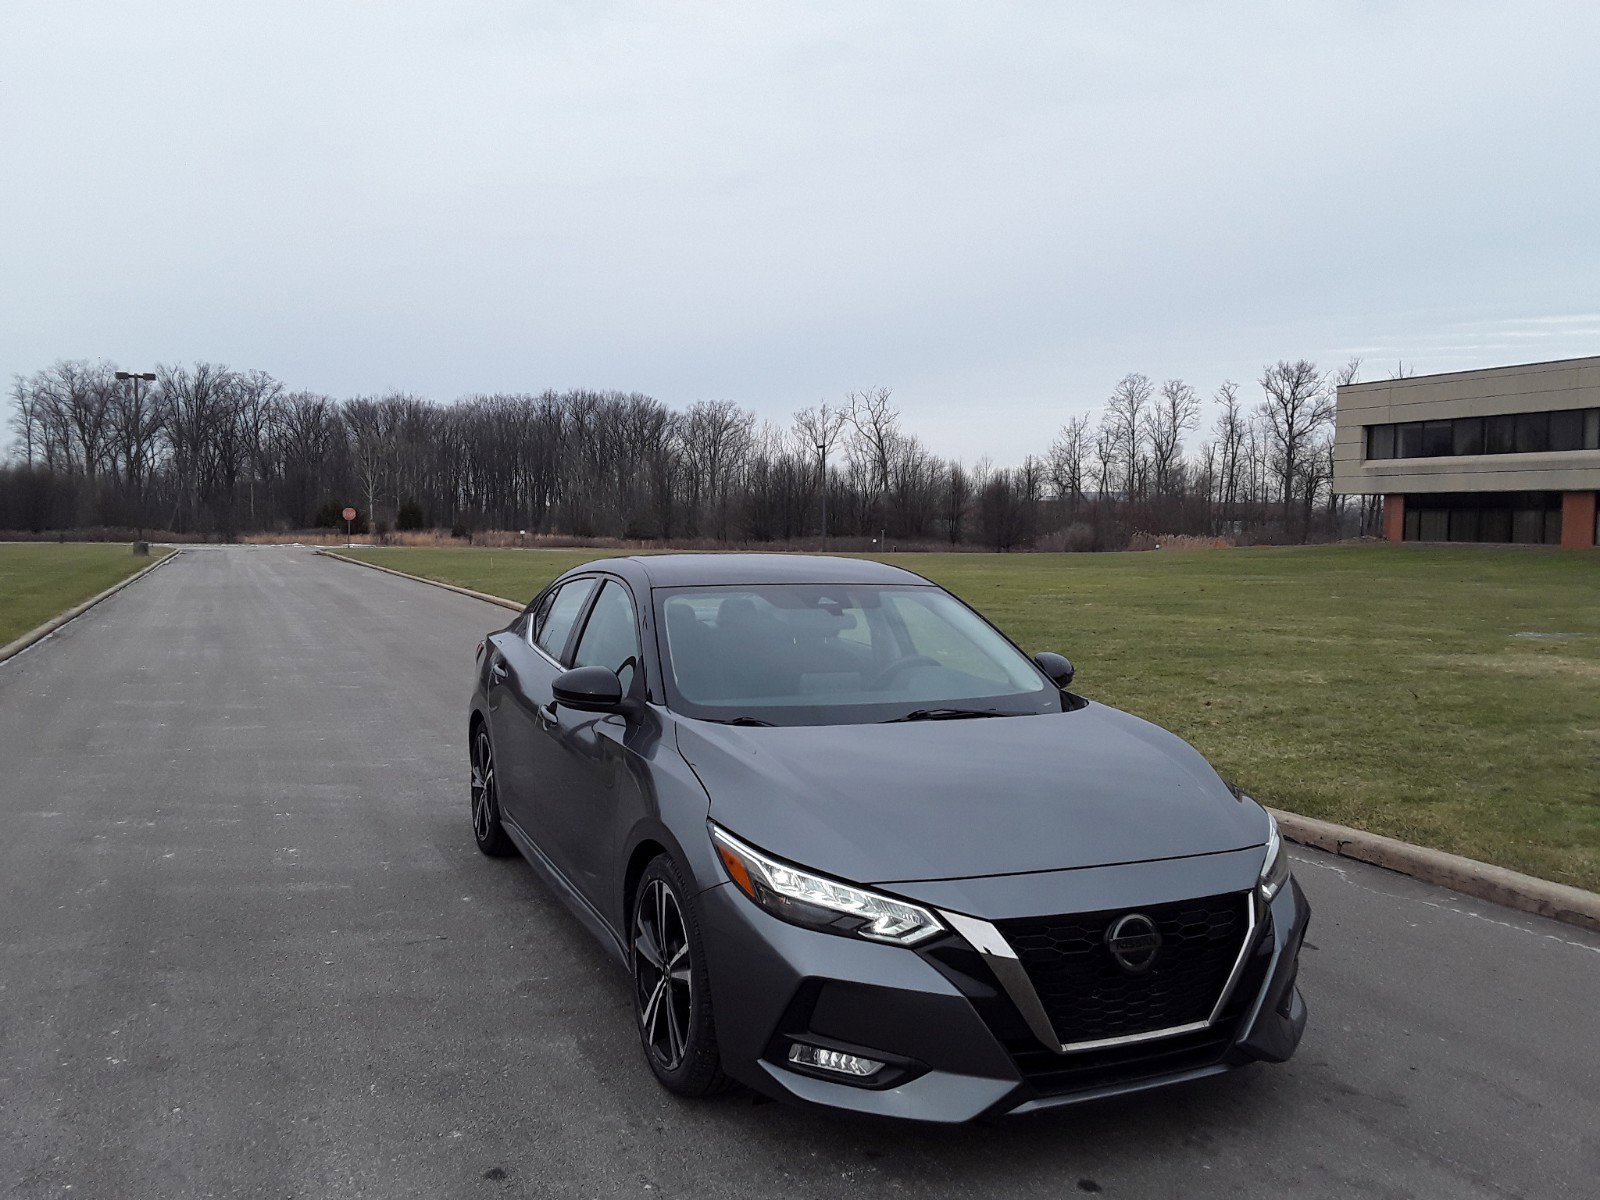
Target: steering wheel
{"x":882,"y":678}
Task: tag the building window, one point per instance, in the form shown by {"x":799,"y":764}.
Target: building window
{"x":1409,"y":439}
{"x":1566,"y":429}
{"x":1500,"y":434}
{"x":1530,"y":517}
{"x":1380,"y":441}
{"x":1467,"y":437}
{"x":1508,"y":433}
{"x":1533,"y":433}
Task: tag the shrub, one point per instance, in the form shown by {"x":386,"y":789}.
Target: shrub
{"x":410,"y":516}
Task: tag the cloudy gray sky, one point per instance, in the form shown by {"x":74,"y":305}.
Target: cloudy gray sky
{"x":996,"y":209}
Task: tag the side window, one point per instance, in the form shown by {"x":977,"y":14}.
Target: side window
{"x":534,"y":620}
{"x":559,"y":613}
{"x":611,"y":638}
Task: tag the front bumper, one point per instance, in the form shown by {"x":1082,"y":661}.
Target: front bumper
{"x":956,"y":1046}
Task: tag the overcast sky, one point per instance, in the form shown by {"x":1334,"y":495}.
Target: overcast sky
{"x":994,"y":209}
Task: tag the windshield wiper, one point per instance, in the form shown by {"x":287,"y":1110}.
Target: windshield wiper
{"x":739,"y":721}
{"x":945,"y":714}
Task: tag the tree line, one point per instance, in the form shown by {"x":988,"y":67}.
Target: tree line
{"x":207,"y":450}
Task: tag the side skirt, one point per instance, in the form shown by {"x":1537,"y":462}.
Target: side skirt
{"x":574,"y":899}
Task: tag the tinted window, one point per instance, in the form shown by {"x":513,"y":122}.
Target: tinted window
{"x":1380,"y":441}
{"x":1435,"y":526}
{"x":561,"y":614}
{"x":1500,"y":434}
{"x":1527,"y":525}
{"x":1533,"y":432}
{"x":1591,"y":429}
{"x":1436,"y":439}
{"x":1566,"y":429}
{"x":1410,"y":435}
{"x":611,"y":635}
{"x":1468,"y":435}
{"x":792,"y":654}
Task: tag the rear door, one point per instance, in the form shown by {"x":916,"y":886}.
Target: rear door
{"x":524,"y":665}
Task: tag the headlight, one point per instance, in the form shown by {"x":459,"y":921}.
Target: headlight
{"x":1275,"y":870}
{"x":813,"y":900}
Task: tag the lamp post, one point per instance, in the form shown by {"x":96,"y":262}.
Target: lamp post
{"x":137,"y":377}
{"x":822,"y":454}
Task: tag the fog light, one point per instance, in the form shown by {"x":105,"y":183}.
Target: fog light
{"x":833,"y":1060}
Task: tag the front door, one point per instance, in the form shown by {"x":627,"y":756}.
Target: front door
{"x":521,"y":675}
{"x":592,"y":796}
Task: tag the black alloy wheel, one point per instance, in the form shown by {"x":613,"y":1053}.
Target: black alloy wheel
{"x":672,"y":996}
{"x":486,"y":828}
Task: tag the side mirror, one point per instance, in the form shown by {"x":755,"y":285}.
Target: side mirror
{"x":588,"y":689}
{"x":1059,"y":669}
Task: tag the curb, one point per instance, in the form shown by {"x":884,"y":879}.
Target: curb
{"x":449,"y":587}
{"x":1525,"y":893}
{"x":1483,"y":881}
{"x":39,"y":633}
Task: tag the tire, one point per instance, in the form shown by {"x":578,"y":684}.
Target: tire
{"x":487,"y":830}
{"x":672,"y":1008}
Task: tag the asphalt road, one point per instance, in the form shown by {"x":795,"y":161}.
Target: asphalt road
{"x":247,"y":948}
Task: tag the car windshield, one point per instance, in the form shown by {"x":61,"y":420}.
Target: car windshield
{"x":815,"y":654}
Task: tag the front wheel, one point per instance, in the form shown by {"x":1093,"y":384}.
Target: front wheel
{"x":486,"y":828}
{"x":672,"y":993}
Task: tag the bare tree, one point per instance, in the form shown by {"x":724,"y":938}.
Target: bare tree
{"x":1126,"y":416}
{"x":1175,"y":412}
{"x":1230,"y":431}
{"x":1069,"y":462}
{"x":1298,"y":404}
{"x":818,"y":430}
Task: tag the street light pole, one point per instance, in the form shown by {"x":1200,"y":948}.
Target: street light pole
{"x":822,"y":453}
{"x":137,"y":377}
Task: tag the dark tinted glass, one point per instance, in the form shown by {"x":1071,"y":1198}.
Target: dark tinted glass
{"x":1591,"y":429}
{"x":1533,"y":432}
{"x":1380,"y":441}
{"x":1410,"y":439}
{"x":1499,"y":434}
{"x":1468,"y":435}
{"x":1435,"y":525}
{"x":1566,"y":429}
{"x":1413,"y":525}
{"x":610,"y":638}
{"x":1527,"y":525}
{"x":566,"y":602}
{"x":1436,"y":440}
{"x":1464,"y":525}
{"x":1495,"y":525}
{"x":814,"y":654}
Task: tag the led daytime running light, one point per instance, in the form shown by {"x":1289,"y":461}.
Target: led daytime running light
{"x":754,"y":873}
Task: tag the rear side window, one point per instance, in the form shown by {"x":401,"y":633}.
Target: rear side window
{"x":558,"y":614}
{"x":611,"y":638}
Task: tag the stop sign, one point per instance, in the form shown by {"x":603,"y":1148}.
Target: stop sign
{"x":349,"y":514}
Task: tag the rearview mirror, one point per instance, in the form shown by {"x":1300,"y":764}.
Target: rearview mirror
{"x":1059,"y":669}
{"x":588,"y":689}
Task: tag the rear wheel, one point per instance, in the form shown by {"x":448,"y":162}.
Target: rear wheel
{"x":672,"y":993}
{"x":486,"y":828}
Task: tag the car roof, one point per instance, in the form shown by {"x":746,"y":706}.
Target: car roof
{"x":690,"y":570}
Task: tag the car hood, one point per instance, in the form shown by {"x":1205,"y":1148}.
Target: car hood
{"x":966,"y":798}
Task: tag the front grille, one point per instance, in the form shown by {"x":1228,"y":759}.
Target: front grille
{"x":1088,"y":995}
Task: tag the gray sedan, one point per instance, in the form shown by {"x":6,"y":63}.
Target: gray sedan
{"x":857,"y":849}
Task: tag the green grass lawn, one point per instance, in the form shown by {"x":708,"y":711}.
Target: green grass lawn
{"x":1444,"y":696}
{"x":40,"y":579}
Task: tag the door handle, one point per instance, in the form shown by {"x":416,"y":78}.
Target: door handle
{"x":497,"y":671}
{"x":547,"y":714}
